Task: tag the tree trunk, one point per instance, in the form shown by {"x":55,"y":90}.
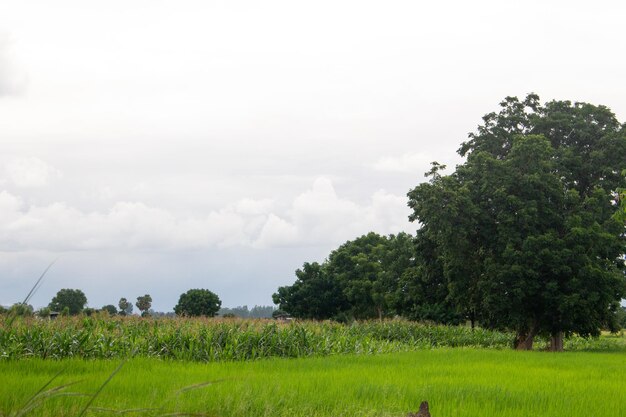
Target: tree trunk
{"x":380,"y":313}
{"x":556,"y":342}
{"x":524,"y":339}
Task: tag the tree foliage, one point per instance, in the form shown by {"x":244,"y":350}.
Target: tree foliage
{"x":21,"y":309}
{"x":144,"y":303}
{"x":110,"y":308}
{"x":256,"y":312}
{"x":126,"y":307}
{"x":198,"y":302}
{"x":372,"y":276}
{"x":314,"y":295}
{"x":525,"y":229}
{"x":72,"y":300}
{"x":423,"y":293}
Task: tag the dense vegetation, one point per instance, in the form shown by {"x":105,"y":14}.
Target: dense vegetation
{"x":256,"y":312}
{"x":198,"y":302}
{"x":456,"y":382}
{"x":527,"y":235}
{"x":203,"y":339}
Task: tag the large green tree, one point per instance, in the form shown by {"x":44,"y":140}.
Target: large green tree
{"x":360,"y":280}
{"x":72,"y":300}
{"x":198,"y":302}
{"x":314,"y":295}
{"x":525,"y":228}
{"x":423,"y":292}
{"x":369,"y":269}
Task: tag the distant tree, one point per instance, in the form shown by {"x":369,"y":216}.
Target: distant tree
{"x":88,"y":311}
{"x":198,"y":302}
{"x":126,"y":307}
{"x":261,"y":312}
{"x":239,"y":311}
{"x":3,"y":309}
{"x":256,"y":312}
{"x":279,"y":314}
{"x":143,"y":304}
{"x":43,"y":312}
{"x":21,"y":309}
{"x":74,"y":300}
{"x":110,"y":308}
{"x":161,"y":314}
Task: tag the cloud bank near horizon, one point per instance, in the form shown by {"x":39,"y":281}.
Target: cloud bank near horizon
{"x":317,"y":216}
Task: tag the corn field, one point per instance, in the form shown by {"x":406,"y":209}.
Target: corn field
{"x":208,"y":340}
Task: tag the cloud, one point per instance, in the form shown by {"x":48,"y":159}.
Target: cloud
{"x":317,"y":216}
{"x":13,"y":79}
{"x":251,"y":206}
{"x":415,"y":162}
{"x":277,"y":232}
{"x":320,"y":217}
{"x":30,"y":172}
{"x":132,"y":225}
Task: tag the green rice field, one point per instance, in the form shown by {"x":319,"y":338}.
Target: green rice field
{"x":101,"y":366}
{"x":456,"y":382}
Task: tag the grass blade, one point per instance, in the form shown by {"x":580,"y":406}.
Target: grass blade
{"x":104,"y":384}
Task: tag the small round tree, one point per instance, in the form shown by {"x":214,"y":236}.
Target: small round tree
{"x":110,"y":308}
{"x":143,"y":304}
{"x":73,"y":300}
{"x":198,"y":302}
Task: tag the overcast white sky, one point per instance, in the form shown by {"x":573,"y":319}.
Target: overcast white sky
{"x":156,"y":146}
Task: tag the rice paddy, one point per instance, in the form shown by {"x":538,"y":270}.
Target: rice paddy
{"x":456,"y":382}
{"x":264,"y":368}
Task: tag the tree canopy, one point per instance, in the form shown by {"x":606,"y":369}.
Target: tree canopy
{"x":372,"y":276}
{"x":526,"y":229}
{"x":144,"y":302}
{"x":198,"y":302}
{"x":73,"y":301}
{"x":110,"y":308}
{"x":126,"y":307}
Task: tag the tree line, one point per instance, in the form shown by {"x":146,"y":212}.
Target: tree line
{"x":528,"y":234}
{"x":71,"y":302}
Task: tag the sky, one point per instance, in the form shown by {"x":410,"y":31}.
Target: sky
{"x":157,"y":146}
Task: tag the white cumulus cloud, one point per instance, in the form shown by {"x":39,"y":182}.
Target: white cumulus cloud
{"x":320,"y":216}
{"x":317,"y":216}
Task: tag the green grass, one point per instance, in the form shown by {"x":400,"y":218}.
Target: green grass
{"x":456,"y":382}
